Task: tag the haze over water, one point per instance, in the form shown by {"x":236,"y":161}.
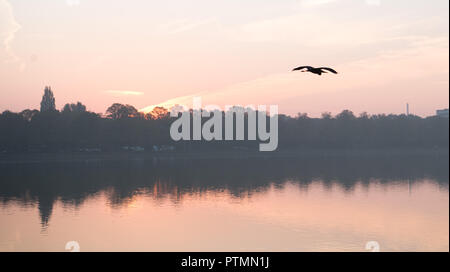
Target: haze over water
{"x":315,"y":204}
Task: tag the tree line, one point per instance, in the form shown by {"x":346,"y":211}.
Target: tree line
{"x":74,"y":128}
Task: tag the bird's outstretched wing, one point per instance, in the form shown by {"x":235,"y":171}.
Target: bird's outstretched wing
{"x":328,"y":69}
{"x":302,"y":67}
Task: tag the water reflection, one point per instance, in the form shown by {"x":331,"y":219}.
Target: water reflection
{"x":277,"y":186}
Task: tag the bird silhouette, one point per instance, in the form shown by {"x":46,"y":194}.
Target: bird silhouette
{"x":318,"y":71}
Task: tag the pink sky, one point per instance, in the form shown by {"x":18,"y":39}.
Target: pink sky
{"x":388,"y":53}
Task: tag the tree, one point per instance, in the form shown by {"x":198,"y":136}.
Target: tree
{"x":13,"y":131}
{"x":364,"y":116}
{"x":48,"y":100}
{"x":326,"y":115}
{"x":302,"y":115}
{"x":27,"y":114}
{"x":158,"y":113}
{"x":346,"y":115}
{"x":78,"y":107}
{"x":120,"y":111}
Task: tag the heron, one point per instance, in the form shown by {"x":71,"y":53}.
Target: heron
{"x":318,"y":71}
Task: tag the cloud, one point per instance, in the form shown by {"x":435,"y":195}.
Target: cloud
{"x":72,"y":3}
{"x":316,"y":30}
{"x":184,"y":101}
{"x":425,"y":64}
{"x":373,"y":2}
{"x":8,"y":29}
{"x":123,"y":92}
{"x":325,"y":32}
{"x":185,"y":25}
{"x":312,"y":3}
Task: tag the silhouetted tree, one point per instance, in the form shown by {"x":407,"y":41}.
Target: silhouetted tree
{"x":13,"y":129}
{"x":346,"y":115}
{"x":48,"y":100}
{"x":158,"y":113}
{"x":326,"y":115}
{"x":28,"y":114}
{"x":119,"y":111}
{"x":78,"y":107}
{"x":77,"y":129}
{"x":302,"y":115}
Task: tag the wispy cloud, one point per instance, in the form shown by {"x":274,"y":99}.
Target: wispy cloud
{"x":311,"y":3}
{"x":72,"y":3}
{"x":123,"y":92}
{"x":331,"y":33}
{"x":290,"y":88}
{"x":8,"y":29}
{"x":185,"y":25}
{"x":373,"y":2}
{"x":297,"y":29}
{"x":184,"y":101}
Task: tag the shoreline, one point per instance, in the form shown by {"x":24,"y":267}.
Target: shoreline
{"x":67,"y":157}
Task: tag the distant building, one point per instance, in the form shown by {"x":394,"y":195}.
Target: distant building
{"x":442,"y":113}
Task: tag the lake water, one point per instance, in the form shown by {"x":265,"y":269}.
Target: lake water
{"x":316,"y":204}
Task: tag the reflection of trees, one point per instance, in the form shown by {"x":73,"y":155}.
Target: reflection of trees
{"x":45,"y":206}
{"x":120,"y":181}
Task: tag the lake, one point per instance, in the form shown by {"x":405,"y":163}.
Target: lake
{"x":321,"y":203}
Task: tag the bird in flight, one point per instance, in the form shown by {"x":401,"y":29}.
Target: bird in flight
{"x":318,"y":71}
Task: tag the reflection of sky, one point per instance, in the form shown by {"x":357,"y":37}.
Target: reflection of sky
{"x":237,"y":52}
{"x":286,"y":218}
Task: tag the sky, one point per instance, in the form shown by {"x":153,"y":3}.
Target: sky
{"x":233,"y":52}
